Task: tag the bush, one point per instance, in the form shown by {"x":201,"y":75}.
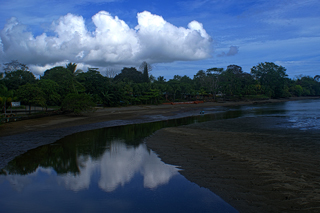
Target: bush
{"x":256,"y":97}
{"x":296,"y":90}
{"x":77,"y":103}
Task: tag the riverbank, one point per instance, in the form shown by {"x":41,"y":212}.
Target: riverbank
{"x":17,"y":138}
{"x":254,"y":164}
{"x":121,"y":113}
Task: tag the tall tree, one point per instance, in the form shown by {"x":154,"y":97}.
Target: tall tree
{"x":200,"y":79}
{"x":161,"y":79}
{"x":129,"y":74}
{"x":74,"y":83}
{"x":5,"y":96}
{"x":309,"y":85}
{"x":95,"y":84}
{"x":213,"y":75}
{"x":50,"y":89}
{"x":15,"y":65}
{"x":229,"y":83}
{"x":271,"y":77}
{"x":14,"y":79}
{"x":111,"y":72}
{"x":145,"y":74}
{"x":63,"y":77}
{"x":58,"y":74}
{"x":77,"y":103}
{"x":235,"y":69}
{"x":146,"y":69}
{"x":31,"y":94}
{"x":174,"y":87}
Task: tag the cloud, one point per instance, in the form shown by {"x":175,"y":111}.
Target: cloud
{"x":112,"y":42}
{"x":232,"y":51}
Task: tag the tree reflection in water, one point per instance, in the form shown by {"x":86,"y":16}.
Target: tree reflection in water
{"x":62,"y":156}
{"x":76,"y":169}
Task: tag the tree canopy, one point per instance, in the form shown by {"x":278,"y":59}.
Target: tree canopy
{"x":14,"y":79}
{"x":31,"y":94}
{"x":72,"y":89}
{"x":272,"y":77}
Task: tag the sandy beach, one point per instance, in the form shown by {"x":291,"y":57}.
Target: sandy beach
{"x":247,"y":161}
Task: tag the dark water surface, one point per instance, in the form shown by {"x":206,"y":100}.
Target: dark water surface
{"x":112,"y":170}
{"x":301,"y":115}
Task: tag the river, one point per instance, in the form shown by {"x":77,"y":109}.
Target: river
{"x":111,"y":169}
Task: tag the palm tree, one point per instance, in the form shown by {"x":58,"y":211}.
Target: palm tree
{"x":107,"y":98}
{"x":73,"y":68}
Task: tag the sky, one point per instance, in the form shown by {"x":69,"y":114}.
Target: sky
{"x":175,"y":37}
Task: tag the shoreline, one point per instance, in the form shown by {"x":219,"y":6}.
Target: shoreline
{"x":122,"y":113}
{"x":251,"y":163}
{"x":18,"y":137}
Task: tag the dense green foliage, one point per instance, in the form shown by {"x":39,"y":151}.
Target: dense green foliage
{"x":31,"y":95}
{"x":77,"y":103}
{"x":76,"y":91}
{"x":17,"y":78}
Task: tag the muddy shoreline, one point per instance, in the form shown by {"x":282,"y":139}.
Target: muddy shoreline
{"x":17,"y":138}
{"x":158,"y":112}
{"x":254,"y":164}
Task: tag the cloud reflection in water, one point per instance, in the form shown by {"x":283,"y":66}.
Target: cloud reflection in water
{"x":117,"y":166}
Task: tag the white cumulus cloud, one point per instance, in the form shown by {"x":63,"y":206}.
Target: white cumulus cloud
{"x":112,"y":42}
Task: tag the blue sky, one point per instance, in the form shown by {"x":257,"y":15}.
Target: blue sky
{"x":177,"y":37}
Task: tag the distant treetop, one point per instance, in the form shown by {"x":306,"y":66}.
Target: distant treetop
{"x":15,"y":65}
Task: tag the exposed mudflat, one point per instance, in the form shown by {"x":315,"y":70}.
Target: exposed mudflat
{"x":253,"y":163}
{"x":18,"y":137}
{"x":254,"y":167}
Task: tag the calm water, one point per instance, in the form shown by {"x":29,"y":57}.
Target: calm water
{"x":302,"y":115}
{"x":112,"y":170}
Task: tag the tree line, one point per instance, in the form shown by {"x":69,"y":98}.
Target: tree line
{"x":75,"y":90}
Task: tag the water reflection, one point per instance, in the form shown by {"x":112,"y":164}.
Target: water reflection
{"x":111,"y":169}
{"x":105,"y":169}
{"x":118,"y":166}
{"x":63,"y":155}
{"x":132,"y":178}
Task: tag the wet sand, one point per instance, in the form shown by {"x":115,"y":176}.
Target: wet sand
{"x":156,"y":112}
{"x":18,"y":137}
{"x":254,"y":164}
{"x":254,"y":169}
